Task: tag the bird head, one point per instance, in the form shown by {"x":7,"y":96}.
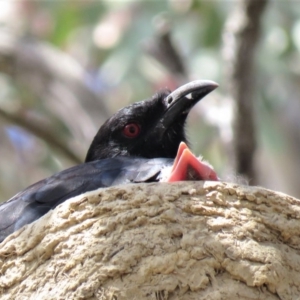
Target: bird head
{"x":150,"y":128}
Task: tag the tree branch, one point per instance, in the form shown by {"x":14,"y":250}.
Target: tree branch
{"x":56,"y":79}
{"x":240,"y":40}
{"x":37,"y":129}
{"x":163,"y":50}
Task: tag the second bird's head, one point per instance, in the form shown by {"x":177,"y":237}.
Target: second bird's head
{"x":150,"y":128}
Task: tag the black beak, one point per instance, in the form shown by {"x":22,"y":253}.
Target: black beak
{"x":181,"y":100}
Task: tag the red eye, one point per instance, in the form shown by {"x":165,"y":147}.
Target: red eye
{"x":131,"y":130}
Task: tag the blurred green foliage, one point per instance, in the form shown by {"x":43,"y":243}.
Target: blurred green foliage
{"x":109,"y":39}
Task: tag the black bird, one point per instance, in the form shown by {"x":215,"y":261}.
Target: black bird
{"x":134,"y":145}
{"x":150,"y":128}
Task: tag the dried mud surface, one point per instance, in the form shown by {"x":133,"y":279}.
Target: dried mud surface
{"x":187,"y":240}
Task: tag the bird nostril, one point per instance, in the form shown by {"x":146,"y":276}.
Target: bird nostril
{"x":169,"y":100}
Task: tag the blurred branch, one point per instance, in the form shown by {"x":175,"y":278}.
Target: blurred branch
{"x":162,"y":49}
{"x":38,"y":130}
{"x":56,"y":78}
{"x":240,"y":40}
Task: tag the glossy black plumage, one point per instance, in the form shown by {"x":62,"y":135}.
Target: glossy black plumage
{"x":161,"y":118}
{"x":114,"y":158}
{"x":32,"y":203}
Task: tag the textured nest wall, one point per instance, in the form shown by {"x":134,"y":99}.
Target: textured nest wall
{"x":188,"y":240}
